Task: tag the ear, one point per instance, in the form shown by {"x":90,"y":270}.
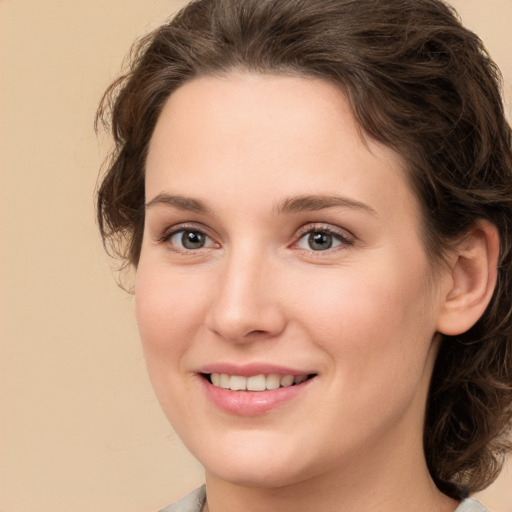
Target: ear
{"x":471,"y":280}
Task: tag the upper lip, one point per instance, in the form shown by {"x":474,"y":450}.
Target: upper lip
{"x":249,"y":370}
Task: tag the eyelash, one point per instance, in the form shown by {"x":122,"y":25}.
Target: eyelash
{"x":344,"y":238}
{"x":184,"y":228}
{"x":338,"y":235}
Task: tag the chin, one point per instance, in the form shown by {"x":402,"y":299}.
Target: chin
{"x":257,"y":465}
{"x":262,"y":475}
{"x":245,"y":457}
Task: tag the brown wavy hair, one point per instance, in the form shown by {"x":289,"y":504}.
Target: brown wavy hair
{"x":417,"y":81}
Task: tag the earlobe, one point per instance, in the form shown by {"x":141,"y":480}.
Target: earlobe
{"x":472,"y":276}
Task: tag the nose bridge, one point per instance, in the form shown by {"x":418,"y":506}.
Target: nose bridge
{"x":246,"y":303}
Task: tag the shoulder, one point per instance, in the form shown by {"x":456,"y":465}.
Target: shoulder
{"x":470,"y":505}
{"x":193,"y":502}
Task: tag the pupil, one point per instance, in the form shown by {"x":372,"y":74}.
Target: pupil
{"x":320,"y":241}
{"x":192,"y":240}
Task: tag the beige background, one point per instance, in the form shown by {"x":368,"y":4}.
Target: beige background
{"x":80,"y":429}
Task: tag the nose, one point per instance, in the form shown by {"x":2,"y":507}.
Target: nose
{"x":246,"y":306}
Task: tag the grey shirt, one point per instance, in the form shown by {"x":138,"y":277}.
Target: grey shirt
{"x":194,"y":502}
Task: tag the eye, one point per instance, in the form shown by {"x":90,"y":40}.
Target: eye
{"x":322,"y":239}
{"x":188,"y":239}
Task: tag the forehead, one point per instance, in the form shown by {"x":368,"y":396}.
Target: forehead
{"x":266,"y":134}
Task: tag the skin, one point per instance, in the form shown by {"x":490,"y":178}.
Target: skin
{"x":362,"y":315}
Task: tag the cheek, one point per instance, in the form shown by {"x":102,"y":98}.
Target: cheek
{"x":168,"y":310}
{"x":378,"y":337}
{"x":372,"y":320}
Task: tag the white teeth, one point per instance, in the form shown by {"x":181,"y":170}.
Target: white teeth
{"x":224,"y":381}
{"x":273,"y":381}
{"x":237,"y":383}
{"x":256,"y":382}
{"x":286,"y":381}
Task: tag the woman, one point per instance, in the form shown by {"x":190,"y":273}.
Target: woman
{"x":317,"y":197}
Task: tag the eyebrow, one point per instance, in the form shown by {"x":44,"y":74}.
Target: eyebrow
{"x":179,"y":202}
{"x":319,"y":202}
{"x":294,"y":204}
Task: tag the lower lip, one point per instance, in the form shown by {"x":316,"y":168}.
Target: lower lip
{"x":252,"y":403}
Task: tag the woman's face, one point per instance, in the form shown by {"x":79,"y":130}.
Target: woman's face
{"x":281,"y":247}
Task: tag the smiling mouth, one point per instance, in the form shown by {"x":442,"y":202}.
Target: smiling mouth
{"x":256,"y":382}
